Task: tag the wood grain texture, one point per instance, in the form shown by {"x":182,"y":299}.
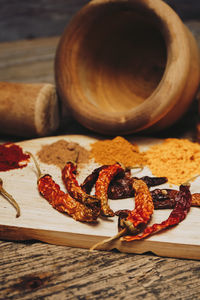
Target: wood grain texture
{"x":36,"y":270}
{"x":40,"y":221}
{"x":39,"y":271}
{"x":113,"y":84}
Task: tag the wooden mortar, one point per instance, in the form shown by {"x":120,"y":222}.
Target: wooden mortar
{"x":28,"y":109}
{"x":124,"y":66}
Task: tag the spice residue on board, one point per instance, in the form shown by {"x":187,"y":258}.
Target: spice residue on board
{"x":176,"y":159}
{"x":60,"y":152}
{"x":119,"y":150}
{"x":12,"y":157}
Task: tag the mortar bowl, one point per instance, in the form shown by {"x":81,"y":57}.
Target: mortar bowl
{"x":126,"y":66}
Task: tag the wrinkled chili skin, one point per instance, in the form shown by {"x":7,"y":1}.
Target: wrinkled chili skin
{"x":196,"y":199}
{"x":90,"y":180}
{"x":165,"y":198}
{"x":75,"y":191}
{"x":64,"y":202}
{"x":143,"y":204}
{"x":102,"y":184}
{"x":154,"y":181}
{"x":121,"y":188}
{"x":183,"y":203}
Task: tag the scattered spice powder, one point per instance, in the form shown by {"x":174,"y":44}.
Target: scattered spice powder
{"x":177,"y":159}
{"x":108,"y":152}
{"x":62,"y":151}
{"x":12,"y":157}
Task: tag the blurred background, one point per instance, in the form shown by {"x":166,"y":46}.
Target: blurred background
{"x":28,"y":19}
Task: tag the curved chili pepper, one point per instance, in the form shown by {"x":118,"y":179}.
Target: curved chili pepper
{"x":90,"y":180}
{"x":75,"y":191}
{"x":143,"y":206}
{"x":121,"y":186}
{"x":183,"y":203}
{"x":61,"y":201}
{"x":131,"y":220}
{"x":196,"y":199}
{"x":9,"y":198}
{"x":102,"y":184}
{"x":64,"y":202}
{"x":165,"y":198}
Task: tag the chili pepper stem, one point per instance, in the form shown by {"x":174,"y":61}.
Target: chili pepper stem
{"x":109,"y":240}
{"x":140,"y":167}
{"x":36,"y":164}
{"x":9,"y":198}
{"x":191,"y":179}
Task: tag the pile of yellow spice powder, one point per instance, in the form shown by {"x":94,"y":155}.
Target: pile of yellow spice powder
{"x":176,"y":159}
{"x":107,"y":152}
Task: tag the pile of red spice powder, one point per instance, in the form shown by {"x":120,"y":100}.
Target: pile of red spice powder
{"x":12,"y":157}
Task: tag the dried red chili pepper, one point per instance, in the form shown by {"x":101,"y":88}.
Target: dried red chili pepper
{"x":154,"y":181}
{"x":12,"y":157}
{"x":121,"y":188}
{"x":165,"y":198}
{"x":90,"y":180}
{"x":69,"y":178}
{"x":143,"y":206}
{"x":196,"y":199}
{"x":61,"y":201}
{"x":183,"y":203}
{"x":102,"y":184}
{"x":64,"y":202}
{"x":130,"y":221}
{"x":121,"y":185}
{"x":9,"y":198}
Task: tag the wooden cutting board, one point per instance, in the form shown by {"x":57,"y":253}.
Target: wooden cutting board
{"x":40,"y":221}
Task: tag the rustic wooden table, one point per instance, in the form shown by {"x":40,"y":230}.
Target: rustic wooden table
{"x":35,"y":270}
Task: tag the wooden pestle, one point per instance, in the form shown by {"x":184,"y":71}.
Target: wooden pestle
{"x":28,"y":109}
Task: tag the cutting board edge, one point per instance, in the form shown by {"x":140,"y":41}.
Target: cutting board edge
{"x":164,"y":249}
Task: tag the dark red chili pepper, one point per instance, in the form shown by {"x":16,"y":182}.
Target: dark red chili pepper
{"x":165,"y":198}
{"x":183,"y":203}
{"x":73,"y":188}
{"x":90,"y":180}
{"x":154,"y":181}
{"x":102,"y":184}
{"x":120,"y":186}
{"x":12,"y":157}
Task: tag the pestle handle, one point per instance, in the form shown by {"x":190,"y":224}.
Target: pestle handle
{"x":28,"y":109}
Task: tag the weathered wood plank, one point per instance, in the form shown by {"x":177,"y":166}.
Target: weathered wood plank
{"x":28,"y":61}
{"x":38,"y":271}
{"x":35,"y":270}
{"x":30,"y":19}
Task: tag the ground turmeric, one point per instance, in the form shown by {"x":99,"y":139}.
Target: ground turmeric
{"x":107,"y":152}
{"x":176,"y":159}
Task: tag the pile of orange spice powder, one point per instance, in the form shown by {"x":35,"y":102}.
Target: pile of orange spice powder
{"x":176,"y":159}
{"x":108,"y":152}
